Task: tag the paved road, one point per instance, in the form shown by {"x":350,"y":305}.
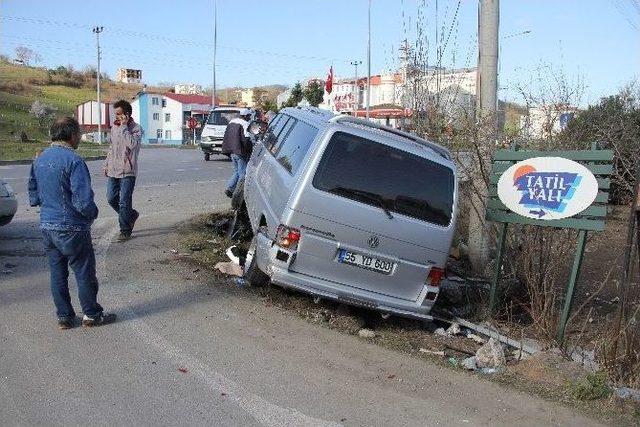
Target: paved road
{"x":189,"y":350}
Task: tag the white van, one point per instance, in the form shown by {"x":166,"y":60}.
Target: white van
{"x":213,"y":132}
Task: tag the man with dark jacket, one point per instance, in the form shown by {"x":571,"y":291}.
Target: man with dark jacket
{"x":237,"y":144}
{"x":60,"y":184}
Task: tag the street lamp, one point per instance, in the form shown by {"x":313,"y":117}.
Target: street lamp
{"x":357,"y":95}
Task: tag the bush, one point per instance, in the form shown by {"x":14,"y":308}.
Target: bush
{"x":592,"y":387}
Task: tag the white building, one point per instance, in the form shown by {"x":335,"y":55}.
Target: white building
{"x":87,"y":116}
{"x":547,"y":120}
{"x":188,"y":89}
{"x":129,"y":75}
{"x":283,"y":97}
{"x":163,"y":117}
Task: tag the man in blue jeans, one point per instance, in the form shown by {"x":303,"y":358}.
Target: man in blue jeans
{"x":61,"y":185}
{"x":121,"y":167}
{"x":237,"y":144}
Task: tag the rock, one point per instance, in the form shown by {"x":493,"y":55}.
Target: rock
{"x":229,"y":268}
{"x":440,"y":331}
{"x":366,"y":333}
{"x":520,"y":355}
{"x":454,"y":329}
{"x":470,"y":363}
{"x":491,"y":355}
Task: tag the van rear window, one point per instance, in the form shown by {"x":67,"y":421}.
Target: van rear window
{"x":382,"y":176}
{"x":222,"y":117}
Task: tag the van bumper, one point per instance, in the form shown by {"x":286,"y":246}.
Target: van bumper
{"x":281,"y":275}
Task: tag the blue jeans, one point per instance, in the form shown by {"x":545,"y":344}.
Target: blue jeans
{"x":72,"y":248}
{"x":120,"y":197}
{"x":239,"y":168}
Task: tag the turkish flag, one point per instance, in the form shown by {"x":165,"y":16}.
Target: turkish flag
{"x":329,"y":84}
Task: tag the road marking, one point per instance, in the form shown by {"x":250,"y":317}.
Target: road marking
{"x":263,"y":411}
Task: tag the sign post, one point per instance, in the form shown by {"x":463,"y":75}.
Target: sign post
{"x":562,"y":189}
{"x":193,"y":123}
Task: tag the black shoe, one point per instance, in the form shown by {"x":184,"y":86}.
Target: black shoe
{"x":229,"y":193}
{"x":136,"y":214}
{"x":123,"y":237}
{"x":99,"y":320}
{"x":66,"y":323}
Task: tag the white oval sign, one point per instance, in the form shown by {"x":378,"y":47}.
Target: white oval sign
{"x":547,"y":188}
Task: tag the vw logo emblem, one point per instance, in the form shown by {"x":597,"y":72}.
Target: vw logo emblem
{"x":373,"y":241}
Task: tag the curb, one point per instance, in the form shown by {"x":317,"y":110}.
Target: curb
{"x":28,"y":162}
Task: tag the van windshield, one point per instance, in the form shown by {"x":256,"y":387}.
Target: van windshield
{"x":222,"y":117}
{"x":393,"y":180}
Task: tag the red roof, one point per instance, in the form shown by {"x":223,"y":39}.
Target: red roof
{"x":189,"y":99}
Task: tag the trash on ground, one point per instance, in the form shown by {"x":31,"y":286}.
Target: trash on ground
{"x":476,"y":338}
{"x":239,"y":282}
{"x":183,"y":370}
{"x":628,"y":393}
{"x":454,"y":329}
{"x":491,"y":355}
{"x":233,"y":254}
{"x":440,"y":331}
{"x":229,"y":268}
{"x":470,"y":363}
{"x":453,"y":362}
{"x":432,"y":352}
{"x":491,"y":370}
{"x":366,"y":333}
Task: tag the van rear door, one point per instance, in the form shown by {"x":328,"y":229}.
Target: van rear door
{"x":374,"y":217}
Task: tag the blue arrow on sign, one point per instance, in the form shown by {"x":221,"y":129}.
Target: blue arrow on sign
{"x":540,"y":213}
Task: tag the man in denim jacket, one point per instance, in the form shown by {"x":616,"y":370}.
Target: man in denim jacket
{"x":121,"y":167}
{"x":61,"y":185}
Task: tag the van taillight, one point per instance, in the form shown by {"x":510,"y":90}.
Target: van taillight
{"x":288,"y":237}
{"x":435,"y":276}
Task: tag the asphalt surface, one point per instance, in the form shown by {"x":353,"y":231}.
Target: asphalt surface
{"x":188,"y":350}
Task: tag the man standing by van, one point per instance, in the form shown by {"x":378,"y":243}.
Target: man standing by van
{"x":237,"y":144}
{"x":61,"y":185}
{"x":121,"y":167}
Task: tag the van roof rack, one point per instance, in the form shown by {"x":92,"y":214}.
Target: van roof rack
{"x":355,"y":120}
{"x":325,"y":114}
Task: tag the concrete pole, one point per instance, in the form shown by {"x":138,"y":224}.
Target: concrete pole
{"x":215,"y":49}
{"x":486,"y":109}
{"x":97,"y":31}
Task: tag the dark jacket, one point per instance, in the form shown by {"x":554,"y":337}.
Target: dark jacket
{"x":235,"y":141}
{"x":61,"y":185}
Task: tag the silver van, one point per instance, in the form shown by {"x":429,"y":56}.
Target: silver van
{"x":346,"y":209}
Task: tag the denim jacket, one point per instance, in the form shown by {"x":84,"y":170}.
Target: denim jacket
{"x":60,"y":184}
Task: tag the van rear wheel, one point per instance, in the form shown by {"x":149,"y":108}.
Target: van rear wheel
{"x":252,"y":272}
{"x":207,"y":157}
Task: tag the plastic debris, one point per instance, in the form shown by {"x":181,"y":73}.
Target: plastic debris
{"x":440,"y":331}
{"x":489,"y":371}
{"x":453,"y":362}
{"x":454,"y":329}
{"x":183,"y":370}
{"x":366,"y":333}
{"x":491,"y":355}
{"x":240,"y":282}
{"x":229,"y":268}
{"x":470,"y":363}
{"x":232,"y":253}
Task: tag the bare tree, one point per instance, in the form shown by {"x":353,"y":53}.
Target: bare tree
{"x":26,"y":55}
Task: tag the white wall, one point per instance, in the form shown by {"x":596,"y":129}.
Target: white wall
{"x":175,"y":124}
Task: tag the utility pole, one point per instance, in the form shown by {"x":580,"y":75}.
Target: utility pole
{"x":369,"y":61}
{"x":487,"y":81}
{"x":486,"y":108}
{"x":356,"y":99}
{"x":215,"y":49}
{"x":97,"y":31}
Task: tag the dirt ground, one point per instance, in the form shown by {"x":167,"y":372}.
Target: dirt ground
{"x":547,"y":374}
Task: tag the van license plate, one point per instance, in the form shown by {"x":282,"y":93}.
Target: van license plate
{"x":364,"y":261}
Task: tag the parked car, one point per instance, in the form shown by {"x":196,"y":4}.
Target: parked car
{"x":8,"y":203}
{"x":213,"y":131}
{"x":346,"y":209}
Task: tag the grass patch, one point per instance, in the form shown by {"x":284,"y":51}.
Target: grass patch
{"x":13,"y":150}
{"x":592,"y":387}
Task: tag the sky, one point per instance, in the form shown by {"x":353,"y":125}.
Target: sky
{"x":592,"y":43}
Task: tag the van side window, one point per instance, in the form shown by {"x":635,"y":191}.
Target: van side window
{"x":282,"y":135}
{"x":378,"y":175}
{"x":295,"y":146}
{"x":275,"y":127}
